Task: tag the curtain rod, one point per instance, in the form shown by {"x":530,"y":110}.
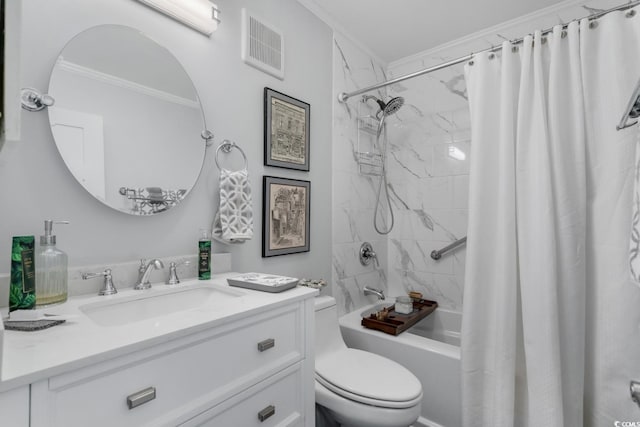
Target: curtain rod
{"x":343,"y":96}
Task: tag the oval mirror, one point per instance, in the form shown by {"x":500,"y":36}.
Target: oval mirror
{"x":127,"y":120}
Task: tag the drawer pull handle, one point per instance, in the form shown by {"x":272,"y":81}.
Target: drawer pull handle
{"x":266,"y":413}
{"x":266,"y":344}
{"x":143,"y":396}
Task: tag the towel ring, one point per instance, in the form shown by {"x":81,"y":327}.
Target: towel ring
{"x":226,"y":146}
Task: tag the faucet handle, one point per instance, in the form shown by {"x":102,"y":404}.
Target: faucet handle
{"x":173,"y":274}
{"x":367,"y":254}
{"x":108,"y":287}
{"x":142,"y":267}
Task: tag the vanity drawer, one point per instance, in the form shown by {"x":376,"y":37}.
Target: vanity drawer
{"x":276,"y":401}
{"x":187,"y":379}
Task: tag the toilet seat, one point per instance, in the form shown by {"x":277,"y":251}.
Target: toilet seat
{"x":368,"y":378}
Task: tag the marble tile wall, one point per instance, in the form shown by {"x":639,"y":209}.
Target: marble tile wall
{"x":429,"y":173}
{"x":354,"y":194}
{"x":428,"y":165}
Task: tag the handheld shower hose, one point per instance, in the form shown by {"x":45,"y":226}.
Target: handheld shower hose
{"x":386,"y":109}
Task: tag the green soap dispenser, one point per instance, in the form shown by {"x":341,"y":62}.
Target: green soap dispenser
{"x":204,"y":255}
{"x":51,"y":269}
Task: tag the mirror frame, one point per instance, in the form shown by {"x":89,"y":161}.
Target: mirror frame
{"x":145,"y":201}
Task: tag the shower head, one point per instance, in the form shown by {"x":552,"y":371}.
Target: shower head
{"x":388,"y":108}
{"x":393,"y":105}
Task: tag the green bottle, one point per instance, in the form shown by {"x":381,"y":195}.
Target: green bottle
{"x":22,"y":291}
{"x":204,"y":256}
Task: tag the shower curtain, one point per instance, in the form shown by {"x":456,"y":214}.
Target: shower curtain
{"x":551,"y":320}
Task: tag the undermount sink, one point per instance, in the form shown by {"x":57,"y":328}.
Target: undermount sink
{"x":117,"y":312}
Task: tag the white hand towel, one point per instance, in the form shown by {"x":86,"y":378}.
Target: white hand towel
{"x":233,"y":222}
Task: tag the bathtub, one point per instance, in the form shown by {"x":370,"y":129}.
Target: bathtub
{"x":430,"y":349}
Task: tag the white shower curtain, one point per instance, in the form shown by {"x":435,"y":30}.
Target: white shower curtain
{"x":551,"y":320}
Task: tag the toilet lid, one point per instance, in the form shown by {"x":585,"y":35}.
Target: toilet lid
{"x":368,"y":378}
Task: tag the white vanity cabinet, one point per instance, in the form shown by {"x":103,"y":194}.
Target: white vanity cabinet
{"x":256,"y":370}
{"x":14,"y":407}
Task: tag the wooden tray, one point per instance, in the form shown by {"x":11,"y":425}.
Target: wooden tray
{"x":395,"y":323}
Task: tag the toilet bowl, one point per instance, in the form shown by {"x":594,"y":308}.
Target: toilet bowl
{"x":358,"y":388}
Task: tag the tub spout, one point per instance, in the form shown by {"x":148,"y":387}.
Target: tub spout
{"x":370,"y":291}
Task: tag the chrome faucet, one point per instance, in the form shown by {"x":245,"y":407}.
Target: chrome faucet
{"x":143,"y":281}
{"x":367,"y":254}
{"x":107,"y":288}
{"x":370,"y":291}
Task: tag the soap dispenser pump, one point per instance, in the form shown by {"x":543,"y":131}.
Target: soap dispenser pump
{"x":51,"y":269}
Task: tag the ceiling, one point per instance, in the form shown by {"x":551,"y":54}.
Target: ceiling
{"x":396,"y":29}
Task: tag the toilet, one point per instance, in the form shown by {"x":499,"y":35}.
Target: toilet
{"x":359,"y":388}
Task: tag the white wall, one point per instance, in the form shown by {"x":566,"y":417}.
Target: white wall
{"x":35,"y":184}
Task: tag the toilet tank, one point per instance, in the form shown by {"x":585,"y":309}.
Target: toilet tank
{"x":328,"y":336}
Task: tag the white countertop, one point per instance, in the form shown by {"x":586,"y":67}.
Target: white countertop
{"x":32,"y":356}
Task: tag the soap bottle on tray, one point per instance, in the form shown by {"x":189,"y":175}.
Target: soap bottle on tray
{"x":51,"y":269}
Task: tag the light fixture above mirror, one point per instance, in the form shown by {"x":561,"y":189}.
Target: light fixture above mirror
{"x":201,"y":15}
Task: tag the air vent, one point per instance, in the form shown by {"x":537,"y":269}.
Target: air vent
{"x":262,"y":45}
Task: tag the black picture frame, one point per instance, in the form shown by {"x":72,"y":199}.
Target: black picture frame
{"x":286,"y":220}
{"x":286,"y":131}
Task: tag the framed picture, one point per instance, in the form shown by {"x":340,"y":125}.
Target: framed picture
{"x":286,"y":131}
{"x":285,"y":216}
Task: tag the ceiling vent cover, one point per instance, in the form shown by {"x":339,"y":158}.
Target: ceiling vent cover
{"x":262,"y":45}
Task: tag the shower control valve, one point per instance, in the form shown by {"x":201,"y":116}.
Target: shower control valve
{"x":367,"y":254}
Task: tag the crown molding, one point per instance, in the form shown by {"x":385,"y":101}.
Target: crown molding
{"x":94,"y":74}
{"x":314,"y":8}
{"x":488,"y":32}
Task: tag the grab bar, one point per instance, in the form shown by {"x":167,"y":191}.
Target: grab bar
{"x":437,"y":254}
